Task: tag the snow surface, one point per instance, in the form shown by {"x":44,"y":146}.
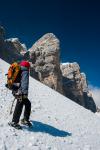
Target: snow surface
{"x":58,"y":123}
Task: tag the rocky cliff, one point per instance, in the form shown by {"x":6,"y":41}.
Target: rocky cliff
{"x":75,"y":85}
{"x":44,"y":57}
{"x":10,"y":49}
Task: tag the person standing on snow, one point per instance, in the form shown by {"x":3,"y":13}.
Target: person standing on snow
{"x":22,"y":98}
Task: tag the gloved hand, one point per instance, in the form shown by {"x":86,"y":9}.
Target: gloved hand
{"x":24,"y":96}
{"x":17,"y":95}
{"x":19,"y":98}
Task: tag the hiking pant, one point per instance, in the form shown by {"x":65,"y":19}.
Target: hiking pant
{"x":18,"y":110}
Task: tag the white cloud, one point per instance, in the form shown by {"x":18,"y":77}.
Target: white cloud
{"x":96,"y":94}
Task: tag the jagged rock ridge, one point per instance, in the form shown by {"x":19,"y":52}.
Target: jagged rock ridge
{"x":10,"y":49}
{"x":44,"y":57}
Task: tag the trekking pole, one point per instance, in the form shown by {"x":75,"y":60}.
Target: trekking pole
{"x":6,"y":91}
{"x":12,"y":106}
{"x":6,"y":85}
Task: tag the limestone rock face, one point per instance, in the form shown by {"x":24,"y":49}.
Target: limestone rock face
{"x":10,"y":49}
{"x":44,"y":56}
{"x":75,"y":85}
{"x":17,"y":46}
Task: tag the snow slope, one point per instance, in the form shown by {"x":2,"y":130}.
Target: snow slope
{"x":58,"y":123}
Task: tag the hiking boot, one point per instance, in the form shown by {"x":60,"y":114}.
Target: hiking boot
{"x":26,"y":122}
{"x":15,"y":125}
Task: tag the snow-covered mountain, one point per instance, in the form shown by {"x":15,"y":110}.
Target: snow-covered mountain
{"x":58,"y":122}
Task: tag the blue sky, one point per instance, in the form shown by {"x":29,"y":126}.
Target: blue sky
{"x":75,"y":22}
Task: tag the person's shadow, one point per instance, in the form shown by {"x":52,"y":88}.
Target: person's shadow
{"x":45,"y":128}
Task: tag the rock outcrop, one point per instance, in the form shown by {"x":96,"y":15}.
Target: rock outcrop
{"x":10,"y":49}
{"x":44,"y":56}
{"x":65,"y":78}
{"x":75,"y":85}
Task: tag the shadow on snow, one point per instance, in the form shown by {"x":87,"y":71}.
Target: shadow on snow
{"x":45,"y":128}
